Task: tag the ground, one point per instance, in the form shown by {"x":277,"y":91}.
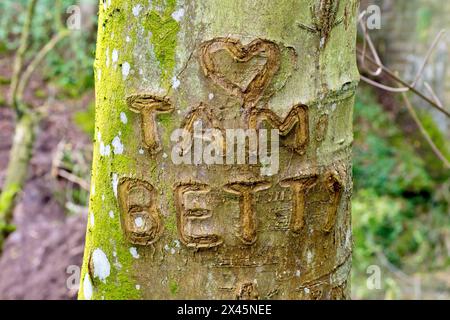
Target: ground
{"x":48,"y":239}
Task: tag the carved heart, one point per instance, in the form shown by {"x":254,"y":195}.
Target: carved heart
{"x":241,"y":54}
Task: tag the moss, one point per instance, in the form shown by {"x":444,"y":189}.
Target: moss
{"x":171,"y":223}
{"x":173,"y":287}
{"x":110,"y":102}
{"x":163,"y":29}
{"x":6,"y":197}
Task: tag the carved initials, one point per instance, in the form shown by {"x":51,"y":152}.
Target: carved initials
{"x":193,"y":207}
{"x":335,"y":187}
{"x":299,"y":187}
{"x":297,"y":116}
{"x":139,"y":215}
{"x":259,"y":47}
{"x":246,"y":191}
{"x":148,"y":106}
{"x":204,"y":114}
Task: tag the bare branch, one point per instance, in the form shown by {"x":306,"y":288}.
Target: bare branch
{"x":424,"y":132}
{"x":427,"y":57}
{"x":36,"y":62}
{"x":382,"y":86}
{"x":394,"y":77}
{"x":18,"y":62}
{"x":433,"y":94}
{"x":368,"y":40}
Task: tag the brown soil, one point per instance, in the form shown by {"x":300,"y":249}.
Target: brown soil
{"x":47,"y":240}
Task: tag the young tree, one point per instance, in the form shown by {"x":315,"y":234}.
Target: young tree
{"x":167,"y":222}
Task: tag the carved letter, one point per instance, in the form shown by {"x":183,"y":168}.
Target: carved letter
{"x":139,"y":215}
{"x":299,"y":187}
{"x":192,"y":206}
{"x":199,"y":116}
{"x":148,"y":105}
{"x":246,"y":191}
{"x":297,"y":116}
{"x":335,"y":188}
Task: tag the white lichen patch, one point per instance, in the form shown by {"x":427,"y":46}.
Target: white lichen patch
{"x":309,"y":256}
{"x":105,"y":150}
{"x":102,"y":268}
{"x":87,"y":287}
{"x":91,"y":219}
{"x":137,"y":10}
{"x":117,"y":145}
{"x":211,"y":96}
{"x":141,"y":151}
{"x":127,"y":39}
{"x":138,"y":287}
{"x":123,"y":118}
{"x":139,"y":222}
{"x":115,"y":56}
{"x":111,"y":214}
{"x":177,"y":15}
{"x":175,"y":82}
{"x":107,"y":58}
{"x":115,"y":183}
{"x":106,"y":4}
{"x":134,"y":253}
{"x":125,"y":70}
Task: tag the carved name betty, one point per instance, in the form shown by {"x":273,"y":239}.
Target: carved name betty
{"x":141,"y":222}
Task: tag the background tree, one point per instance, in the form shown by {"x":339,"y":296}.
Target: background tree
{"x":27,"y":120}
{"x":159,"y":230}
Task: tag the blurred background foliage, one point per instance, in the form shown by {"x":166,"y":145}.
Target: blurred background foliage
{"x":70,"y":66}
{"x":401,"y":213}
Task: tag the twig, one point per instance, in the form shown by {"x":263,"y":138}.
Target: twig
{"x":368,"y":40}
{"x":73,"y":178}
{"x":36,"y":62}
{"x":382,"y":86}
{"x":19,"y":60}
{"x":427,"y":57}
{"x":394,"y":77}
{"x":433,"y":94}
{"x":393,"y":269}
{"x":424,"y":132}
{"x":377,"y":62}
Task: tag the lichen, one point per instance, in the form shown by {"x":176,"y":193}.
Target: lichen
{"x":110,"y":107}
{"x":163,"y":29}
{"x":173,"y":287}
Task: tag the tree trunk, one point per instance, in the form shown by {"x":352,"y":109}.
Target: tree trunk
{"x":17,"y":171}
{"x":159,"y":229}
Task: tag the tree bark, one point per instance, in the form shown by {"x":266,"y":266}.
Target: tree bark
{"x":16,"y":173}
{"x":160,"y":230}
